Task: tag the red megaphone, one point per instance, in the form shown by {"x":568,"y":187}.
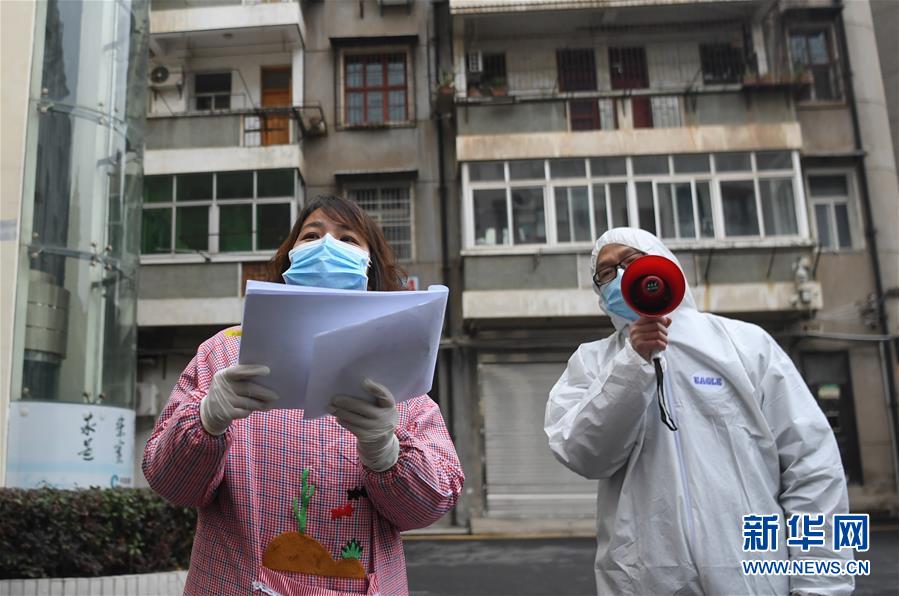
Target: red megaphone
{"x":653,"y":286}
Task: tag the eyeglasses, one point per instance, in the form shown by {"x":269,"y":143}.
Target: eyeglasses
{"x":607,"y":274}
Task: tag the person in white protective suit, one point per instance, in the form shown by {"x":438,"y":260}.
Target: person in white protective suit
{"x":670,"y":503}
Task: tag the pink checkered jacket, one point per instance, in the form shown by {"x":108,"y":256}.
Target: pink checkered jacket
{"x":243,"y":484}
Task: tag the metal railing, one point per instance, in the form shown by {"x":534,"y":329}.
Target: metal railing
{"x":609,"y":111}
{"x":651,"y":68}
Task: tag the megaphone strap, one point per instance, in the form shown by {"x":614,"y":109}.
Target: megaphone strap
{"x":667,"y":420}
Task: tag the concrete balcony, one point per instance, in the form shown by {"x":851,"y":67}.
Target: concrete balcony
{"x":687,"y":139}
{"x":760,"y":282}
{"x":222,"y":23}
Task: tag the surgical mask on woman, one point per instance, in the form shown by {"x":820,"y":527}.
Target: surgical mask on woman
{"x":613,"y":300}
{"x":328,"y":263}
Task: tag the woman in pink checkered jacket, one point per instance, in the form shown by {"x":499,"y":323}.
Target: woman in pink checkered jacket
{"x":302,"y":507}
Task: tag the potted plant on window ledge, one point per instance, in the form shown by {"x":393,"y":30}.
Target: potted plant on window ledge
{"x":498,"y":87}
{"x":446,"y":92}
{"x":802,"y":76}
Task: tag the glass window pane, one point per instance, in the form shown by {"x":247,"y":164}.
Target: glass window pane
{"x":778,"y":209}
{"x":234,"y":185}
{"x":397,"y":106}
{"x":192,"y":228}
{"x":272,"y":225}
{"x":666,"y":211}
{"x":528,"y":217}
{"x":841,"y":213}
{"x":375,"y":107}
{"x":685,"y":164}
{"x":608,"y":166}
{"x":774,"y":160}
{"x":156,"y":231}
{"x":236,"y":228}
{"x":600,"y":213}
{"x":204,"y":102}
{"x":158,"y":189}
{"x":490,"y":217}
{"x":222,"y":102}
{"x":798,"y":49}
{"x":195,"y":187}
{"x":213,"y":82}
{"x":396,"y":70}
{"x":645,"y":209}
{"x":354,"y":72}
{"x":567,"y":168}
{"x":486,"y":170}
{"x":374,"y":74}
{"x":828,"y":186}
{"x":822,"y":222}
{"x":618,"y":200}
{"x":704,"y":203}
{"x":684,"y":196}
{"x":738,"y":206}
{"x":526,"y":169}
{"x":572,"y":214}
{"x":817,"y":47}
{"x":354,"y":108}
{"x":650,"y":164}
{"x":275,"y":183}
{"x":732,"y":162}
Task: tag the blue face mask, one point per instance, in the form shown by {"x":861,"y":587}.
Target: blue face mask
{"x":613,"y":299}
{"x":328,"y":263}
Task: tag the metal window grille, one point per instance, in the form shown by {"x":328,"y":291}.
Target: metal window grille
{"x":391,"y":208}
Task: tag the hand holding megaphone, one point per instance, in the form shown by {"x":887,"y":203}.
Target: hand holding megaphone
{"x":652,"y":286}
{"x":649,"y":336}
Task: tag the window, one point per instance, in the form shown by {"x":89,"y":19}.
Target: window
{"x":812,"y":52}
{"x":390,"y":205}
{"x":494,"y":67}
{"x":829,"y":200}
{"x":212,"y":91}
{"x":223,"y":212}
{"x":688,"y":197}
{"x":721,"y":63}
{"x":375,"y":89}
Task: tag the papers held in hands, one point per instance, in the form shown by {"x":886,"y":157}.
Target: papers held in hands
{"x":320,"y":342}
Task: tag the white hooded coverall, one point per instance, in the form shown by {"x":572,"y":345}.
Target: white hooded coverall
{"x":670,"y":504}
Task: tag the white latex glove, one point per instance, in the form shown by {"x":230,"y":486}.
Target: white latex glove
{"x":232,"y":395}
{"x":373,"y":424}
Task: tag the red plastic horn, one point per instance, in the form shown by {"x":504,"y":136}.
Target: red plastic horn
{"x":653,"y":286}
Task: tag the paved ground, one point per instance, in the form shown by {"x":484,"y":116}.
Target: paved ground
{"x":563,"y":567}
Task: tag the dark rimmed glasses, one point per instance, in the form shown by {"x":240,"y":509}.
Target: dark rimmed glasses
{"x":607,"y":274}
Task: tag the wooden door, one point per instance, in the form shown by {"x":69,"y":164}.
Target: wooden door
{"x":276,"y":94}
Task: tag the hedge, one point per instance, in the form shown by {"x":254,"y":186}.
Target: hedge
{"x":93,"y":532}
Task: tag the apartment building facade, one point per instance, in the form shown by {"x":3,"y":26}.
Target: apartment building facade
{"x":733,"y":130}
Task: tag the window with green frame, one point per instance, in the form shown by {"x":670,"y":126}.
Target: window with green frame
{"x":217,"y":212}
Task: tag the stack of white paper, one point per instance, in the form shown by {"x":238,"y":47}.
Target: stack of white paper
{"x":320,"y":342}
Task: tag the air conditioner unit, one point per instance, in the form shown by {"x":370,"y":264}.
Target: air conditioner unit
{"x":475,"y":62}
{"x":165,"y":76}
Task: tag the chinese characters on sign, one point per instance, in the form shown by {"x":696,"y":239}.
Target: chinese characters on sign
{"x":850,"y":531}
{"x":119,"y":438}
{"x":89,"y":428}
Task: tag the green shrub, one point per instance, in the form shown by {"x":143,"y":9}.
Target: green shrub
{"x":76,"y":533}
